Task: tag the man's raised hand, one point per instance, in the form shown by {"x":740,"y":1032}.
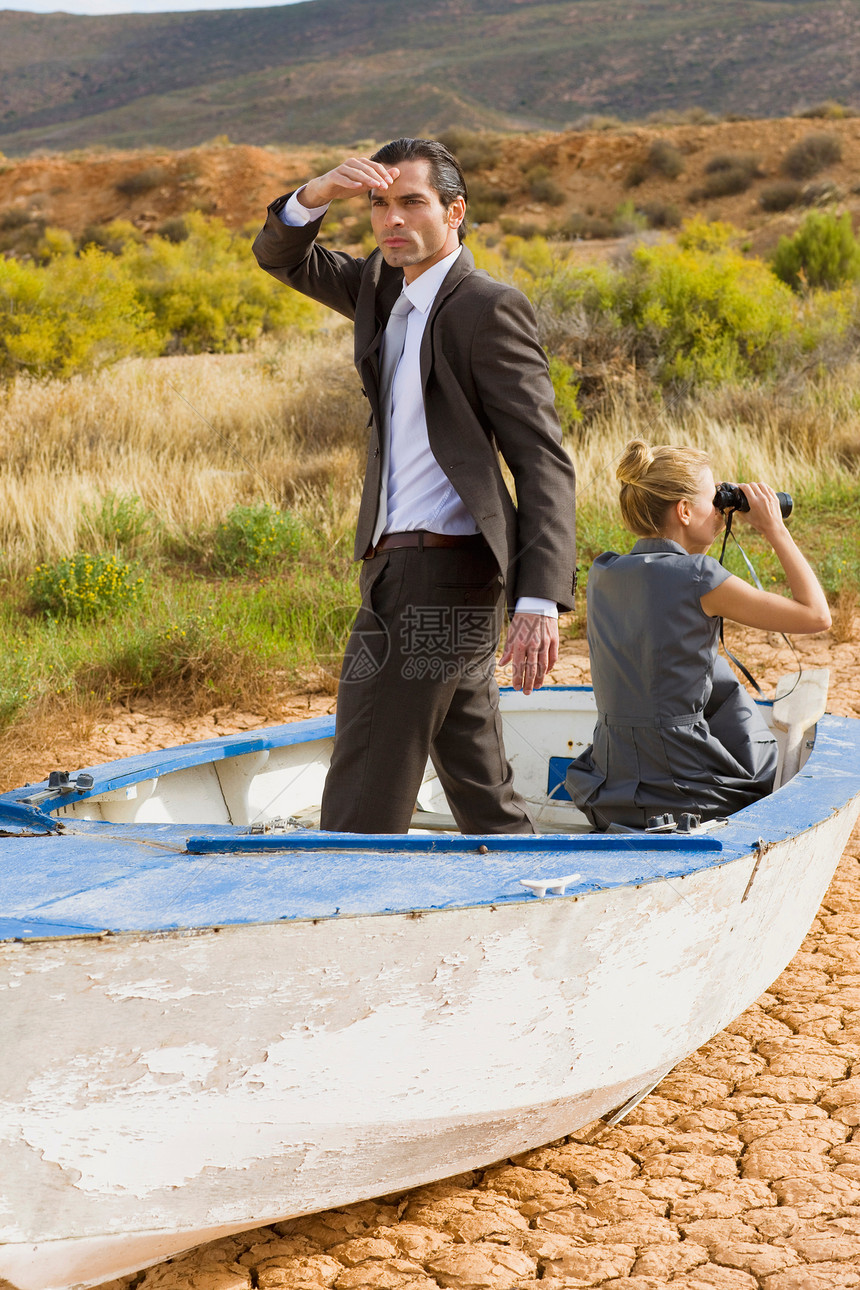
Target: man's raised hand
{"x":354,"y":176}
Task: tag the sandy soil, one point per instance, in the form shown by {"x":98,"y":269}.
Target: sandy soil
{"x":740,"y":1172}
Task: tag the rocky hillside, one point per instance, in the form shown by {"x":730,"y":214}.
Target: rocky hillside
{"x":341,"y":70}
{"x":571,"y":183}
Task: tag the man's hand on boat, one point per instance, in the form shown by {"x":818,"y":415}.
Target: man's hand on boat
{"x":531,"y":648}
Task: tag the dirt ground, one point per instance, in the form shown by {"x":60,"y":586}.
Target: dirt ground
{"x":741,"y":1171}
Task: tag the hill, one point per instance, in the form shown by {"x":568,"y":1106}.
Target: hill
{"x":343,"y":70}
{"x":572,"y":183}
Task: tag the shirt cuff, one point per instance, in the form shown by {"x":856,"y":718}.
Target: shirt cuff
{"x":536,"y":605}
{"x":294,"y":214}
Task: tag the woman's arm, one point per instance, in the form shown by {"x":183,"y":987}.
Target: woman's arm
{"x":805,"y":613}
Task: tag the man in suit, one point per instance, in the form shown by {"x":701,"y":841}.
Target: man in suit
{"x":454,"y":375}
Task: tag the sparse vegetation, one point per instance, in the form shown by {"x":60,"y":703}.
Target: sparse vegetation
{"x":541,"y":186}
{"x":663,"y":158}
{"x":828,"y":110}
{"x":822,"y":192}
{"x":726,"y":175}
{"x":734,"y":162}
{"x":142,"y":181}
{"x":661,"y":214}
{"x":473,"y":149}
{"x":683,"y":116}
{"x":485,"y":201}
{"x":597,"y":121}
{"x":586,"y":227}
{"x":810,"y":155}
{"x":15,"y":218}
{"x":780,"y":196}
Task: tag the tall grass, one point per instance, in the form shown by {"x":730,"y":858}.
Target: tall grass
{"x":188,"y":436}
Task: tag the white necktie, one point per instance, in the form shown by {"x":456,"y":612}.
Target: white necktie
{"x":392,"y":351}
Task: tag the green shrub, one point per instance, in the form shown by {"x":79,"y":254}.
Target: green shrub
{"x":118,"y":519}
{"x":83,"y":586}
{"x":253,"y":536}
{"x":683,"y":116}
{"x":598,"y":121}
{"x":21,"y":237}
{"x":174,"y":230}
{"x":71,"y":315}
{"x":823,"y":253}
{"x":780,"y":196}
{"x":811,"y":154}
{"x":703,"y":315}
{"x":102,"y":237}
{"x":565,"y":383}
{"x":206,"y":294}
{"x":524,"y":228}
{"x":14,"y":219}
{"x":627,"y":219}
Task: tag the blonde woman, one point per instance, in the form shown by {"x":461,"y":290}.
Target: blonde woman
{"x":675,"y":730}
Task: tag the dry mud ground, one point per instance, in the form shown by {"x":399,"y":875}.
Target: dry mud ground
{"x":740,"y":1171}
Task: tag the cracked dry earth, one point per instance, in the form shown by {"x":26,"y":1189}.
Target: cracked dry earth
{"x":741,"y":1171}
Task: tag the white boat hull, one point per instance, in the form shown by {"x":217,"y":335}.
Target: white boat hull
{"x":182,"y":1085}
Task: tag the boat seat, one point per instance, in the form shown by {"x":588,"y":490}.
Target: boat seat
{"x":439,"y":821}
{"x":799,"y":703}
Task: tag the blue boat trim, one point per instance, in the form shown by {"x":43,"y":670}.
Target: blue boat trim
{"x":34,"y":929}
{"x":99,"y":878}
{"x":151,"y":765}
{"x":508,"y":843}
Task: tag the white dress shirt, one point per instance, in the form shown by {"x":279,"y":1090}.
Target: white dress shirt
{"x":420,"y":494}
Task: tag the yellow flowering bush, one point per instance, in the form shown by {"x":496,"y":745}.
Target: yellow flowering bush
{"x":83,"y":586}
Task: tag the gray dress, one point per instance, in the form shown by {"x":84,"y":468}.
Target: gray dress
{"x":675,"y":731}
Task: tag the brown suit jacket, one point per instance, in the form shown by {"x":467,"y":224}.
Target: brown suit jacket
{"x":486,"y":391}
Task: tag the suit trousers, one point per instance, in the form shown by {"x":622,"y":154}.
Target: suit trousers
{"x":418,"y":680}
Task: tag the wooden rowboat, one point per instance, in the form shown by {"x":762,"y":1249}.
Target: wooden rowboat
{"x":215,"y":1016}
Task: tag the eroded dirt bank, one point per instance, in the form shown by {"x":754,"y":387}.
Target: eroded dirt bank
{"x":740,"y":1172}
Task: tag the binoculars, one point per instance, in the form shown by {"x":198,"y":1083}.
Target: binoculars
{"x":730,"y":497}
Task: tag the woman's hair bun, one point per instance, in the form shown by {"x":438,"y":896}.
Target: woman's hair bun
{"x":635,"y":461}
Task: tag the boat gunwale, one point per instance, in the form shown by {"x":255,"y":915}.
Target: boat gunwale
{"x":796,"y":808}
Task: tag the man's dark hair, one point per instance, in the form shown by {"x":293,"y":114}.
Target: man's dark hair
{"x":446,"y":176}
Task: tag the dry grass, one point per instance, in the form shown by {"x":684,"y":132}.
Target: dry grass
{"x":844,"y":613}
{"x":51,"y":738}
{"x":796,"y":442}
{"x":193,"y":436}
{"x":189,"y":436}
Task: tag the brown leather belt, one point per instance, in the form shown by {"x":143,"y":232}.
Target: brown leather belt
{"x":420,"y":538}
